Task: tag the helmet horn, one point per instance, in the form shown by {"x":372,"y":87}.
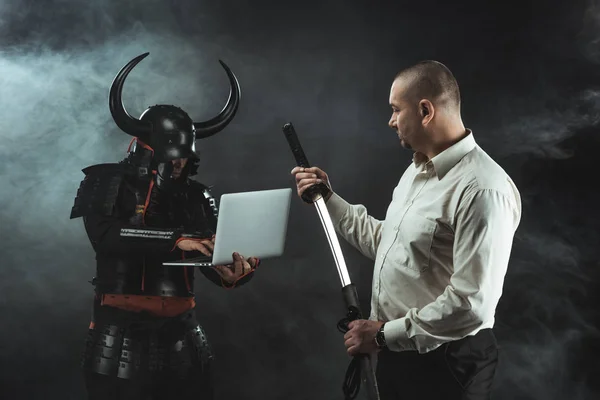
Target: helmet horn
{"x":128,"y":124}
{"x":218,"y":123}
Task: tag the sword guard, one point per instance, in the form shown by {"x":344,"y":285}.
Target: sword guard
{"x":315,"y":192}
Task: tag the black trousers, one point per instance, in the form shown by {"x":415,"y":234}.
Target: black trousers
{"x":460,"y":370}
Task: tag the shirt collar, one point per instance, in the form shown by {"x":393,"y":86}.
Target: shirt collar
{"x":443,"y":162}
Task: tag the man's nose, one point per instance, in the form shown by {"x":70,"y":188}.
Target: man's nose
{"x":392,"y":122}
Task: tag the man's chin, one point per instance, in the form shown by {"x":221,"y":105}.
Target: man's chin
{"x":405,"y":144}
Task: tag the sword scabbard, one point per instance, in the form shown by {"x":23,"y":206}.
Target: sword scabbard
{"x":368,"y":373}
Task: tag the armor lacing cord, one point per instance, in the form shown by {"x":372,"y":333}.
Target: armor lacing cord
{"x":130,"y":144}
{"x":148,"y":196}
{"x":352,"y":379}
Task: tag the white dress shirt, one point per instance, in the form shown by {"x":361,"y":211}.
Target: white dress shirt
{"x":442,"y":251}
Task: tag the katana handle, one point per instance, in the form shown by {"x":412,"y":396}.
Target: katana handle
{"x":314,"y":191}
{"x":295,"y":146}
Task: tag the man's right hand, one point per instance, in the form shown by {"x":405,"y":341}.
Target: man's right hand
{"x":307,"y":177}
{"x":205,"y":246}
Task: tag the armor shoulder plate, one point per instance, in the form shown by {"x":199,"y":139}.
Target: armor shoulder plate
{"x":99,"y":189}
{"x":206,"y":192}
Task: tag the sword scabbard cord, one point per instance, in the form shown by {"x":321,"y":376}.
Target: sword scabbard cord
{"x":351,"y":386}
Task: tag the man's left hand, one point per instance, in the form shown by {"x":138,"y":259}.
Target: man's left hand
{"x":360,"y":339}
{"x":232,"y":272}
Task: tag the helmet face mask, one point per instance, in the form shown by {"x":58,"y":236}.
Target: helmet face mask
{"x":173,"y":136}
{"x":168,"y":130}
{"x":163,"y":176}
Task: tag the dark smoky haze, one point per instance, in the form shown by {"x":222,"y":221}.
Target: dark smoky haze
{"x":530,"y":86}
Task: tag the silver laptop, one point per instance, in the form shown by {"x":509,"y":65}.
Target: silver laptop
{"x":254,"y":224}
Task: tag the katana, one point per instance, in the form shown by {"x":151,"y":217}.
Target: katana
{"x":316,"y":194}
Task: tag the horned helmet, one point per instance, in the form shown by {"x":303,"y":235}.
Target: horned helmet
{"x":166,"y":130}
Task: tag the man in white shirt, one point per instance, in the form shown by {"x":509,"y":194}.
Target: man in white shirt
{"x":441,"y":253}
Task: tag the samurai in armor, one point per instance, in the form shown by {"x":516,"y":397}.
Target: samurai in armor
{"x":144,"y":341}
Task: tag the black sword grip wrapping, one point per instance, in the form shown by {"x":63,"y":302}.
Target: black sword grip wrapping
{"x":302,"y":161}
{"x":295,"y":146}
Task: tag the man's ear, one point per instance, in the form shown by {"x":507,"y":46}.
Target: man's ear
{"x":426,"y":110}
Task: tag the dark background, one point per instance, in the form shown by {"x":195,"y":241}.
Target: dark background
{"x":529,"y":78}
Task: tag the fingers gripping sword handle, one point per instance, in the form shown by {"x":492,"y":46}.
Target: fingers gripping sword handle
{"x":315,"y":191}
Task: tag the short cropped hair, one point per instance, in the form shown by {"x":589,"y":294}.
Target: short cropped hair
{"x":431,"y":80}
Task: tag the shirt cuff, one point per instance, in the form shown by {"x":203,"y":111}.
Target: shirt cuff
{"x":337,"y":208}
{"x":396,"y":335}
